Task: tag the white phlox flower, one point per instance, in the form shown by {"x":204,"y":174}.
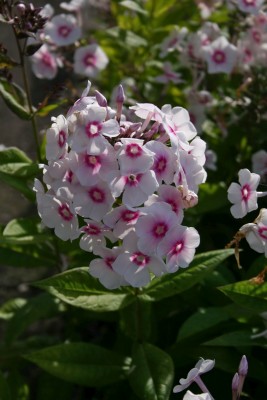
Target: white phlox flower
{"x":220,"y":55}
{"x":191,"y":396}
{"x":256,"y":233}
{"x":90,"y":60}
{"x":45,"y":63}
{"x":62,"y":30}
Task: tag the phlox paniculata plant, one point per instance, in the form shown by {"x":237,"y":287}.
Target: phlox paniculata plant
{"x":121,"y":180}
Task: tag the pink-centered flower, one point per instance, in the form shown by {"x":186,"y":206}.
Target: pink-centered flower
{"x":250,"y":6}
{"x":256,"y":233}
{"x":93,"y":202}
{"x":164,"y":163}
{"x":153,"y":225}
{"x":102,"y":268}
{"x":94,"y":235}
{"x":244,"y":194}
{"x":179,"y":246}
{"x":62,"y":30}
{"x":133,"y":157}
{"x":136,"y":266}
{"x":220,"y":56}
{"x":191,"y":396}
{"x":44,"y":63}
{"x":90,"y":60}
{"x":91,"y":129}
{"x":121,"y":220}
{"x":57,"y":138}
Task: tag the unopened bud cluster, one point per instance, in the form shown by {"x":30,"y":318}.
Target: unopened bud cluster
{"x":128,"y":181}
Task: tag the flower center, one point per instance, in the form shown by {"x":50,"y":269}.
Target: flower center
{"x":178,"y":247}
{"x":109,"y":261}
{"x":61,"y":138}
{"x":249,"y":2}
{"x":89,"y":60}
{"x":219,"y":57}
{"x":129,"y":216}
{"x":160,"y":229}
{"x":68,"y":176}
{"x":263,"y":232}
{"x":91,"y":229}
{"x":140,"y":259}
{"x":65,"y":212}
{"x":93,"y":128}
{"x":133,"y":180}
{"x":47,"y":60}
{"x":245,"y":192}
{"x":133,"y":150}
{"x":64,"y":30}
{"x":160,"y":164}
{"x":96,"y":195}
{"x":256,"y":36}
{"x":91,"y":161}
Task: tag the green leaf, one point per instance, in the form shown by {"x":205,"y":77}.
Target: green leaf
{"x":133,"y":6}
{"x":202,"y":320}
{"x":152,"y":372}
{"x":11,"y":94}
{"x":4,"y":389}
{"x":82,"y":363}
{"x":135,"y":320}
{"x":13,"y":155}
{"x":236,"y":339}
{"x":43,"y":111}
{"x":39,"y":307}
{"x":23,"y":231}
{"x":17,"y":170}
{"x":9,"y":308}
{"x":211,"y":197}
{"x":77,"y":288}
{"x":172,"y":284}
{"x":27,"y":256}
{"x":248,"y":294}
{"x":6,"y":61}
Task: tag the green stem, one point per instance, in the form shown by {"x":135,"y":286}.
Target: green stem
{"x":138,"y":318}
{"x":27,"y":91}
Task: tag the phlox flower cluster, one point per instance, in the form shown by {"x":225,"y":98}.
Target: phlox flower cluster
{"x":63,"y":30}
{"x":122,"y":187}
{"x":244,"y":196}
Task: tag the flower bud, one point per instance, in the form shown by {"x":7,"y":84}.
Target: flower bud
{"x":21,"y":8}
{"x":243,"y":366}
{"x":235,"y":384}
{"x":120,"y":97}
{"x":102,"y":101}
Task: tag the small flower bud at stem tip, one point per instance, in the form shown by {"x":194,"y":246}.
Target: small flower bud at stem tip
{"x":120,"y":98}
{"x":102,"y":101}
{"x":243,"y":366}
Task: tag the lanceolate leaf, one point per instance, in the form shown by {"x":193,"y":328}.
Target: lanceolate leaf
{"x":152,"y":372}
{"x":4,"y":389}
{"x":82,"y":363}
{"x":172,"y":284}
{"x":11,"y":95}
{"x":78,"y":288}
{"x":248,"y":294}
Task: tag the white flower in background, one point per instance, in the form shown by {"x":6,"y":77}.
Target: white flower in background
{"x":191,"y":396}
{"x":62,"y":30}
{"x":90,"y":60}
{"x":250,"y":6}
{"x":220,"y":56}
{"x":73,"y":5}
{"x":174,"y":41}
{"x":244,"y":194}
{"x":200,"y":368}
{"x":259,"y":164}
{"x":44,"y":63}
{"x":169,"y":75}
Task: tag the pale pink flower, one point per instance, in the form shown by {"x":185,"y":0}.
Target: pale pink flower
{"x":93,"y":235}
{"x":244,"y":194}
{"x":90,"y":60}
{"x":59,"y":173}
{"x":136,"y":188}
{"x":73,"y":5}
{"x":93,"y":202}
{"x":121,"y":220}
{"x":200,"y":368}
{"x":256,"y":233}
{"x":180,"y":121}
{"x":153,"y":225}
{"x":102,"y":268}
{"x":82,"y":102}
{"x":220,"y":55}
{"x":174,"y":41}
{"x":62,"y":30}
{"x":44,"y":63}
{"x":91,"y":126}
{"x":169,"y":75}
{"x":190,"y":174}
{"x":57,"y":138}
{"x":57,"y":212}
{"x":165,"y":160}
{"x":90,"y":168}
{"x":170,"y":195}
{"x":191,"y":396}
{"x":259,"y":164}
{"x":250,"y":6}
{"x":179,"y":246}
{"x":136,"y":266}
{"x":133,"y":157}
